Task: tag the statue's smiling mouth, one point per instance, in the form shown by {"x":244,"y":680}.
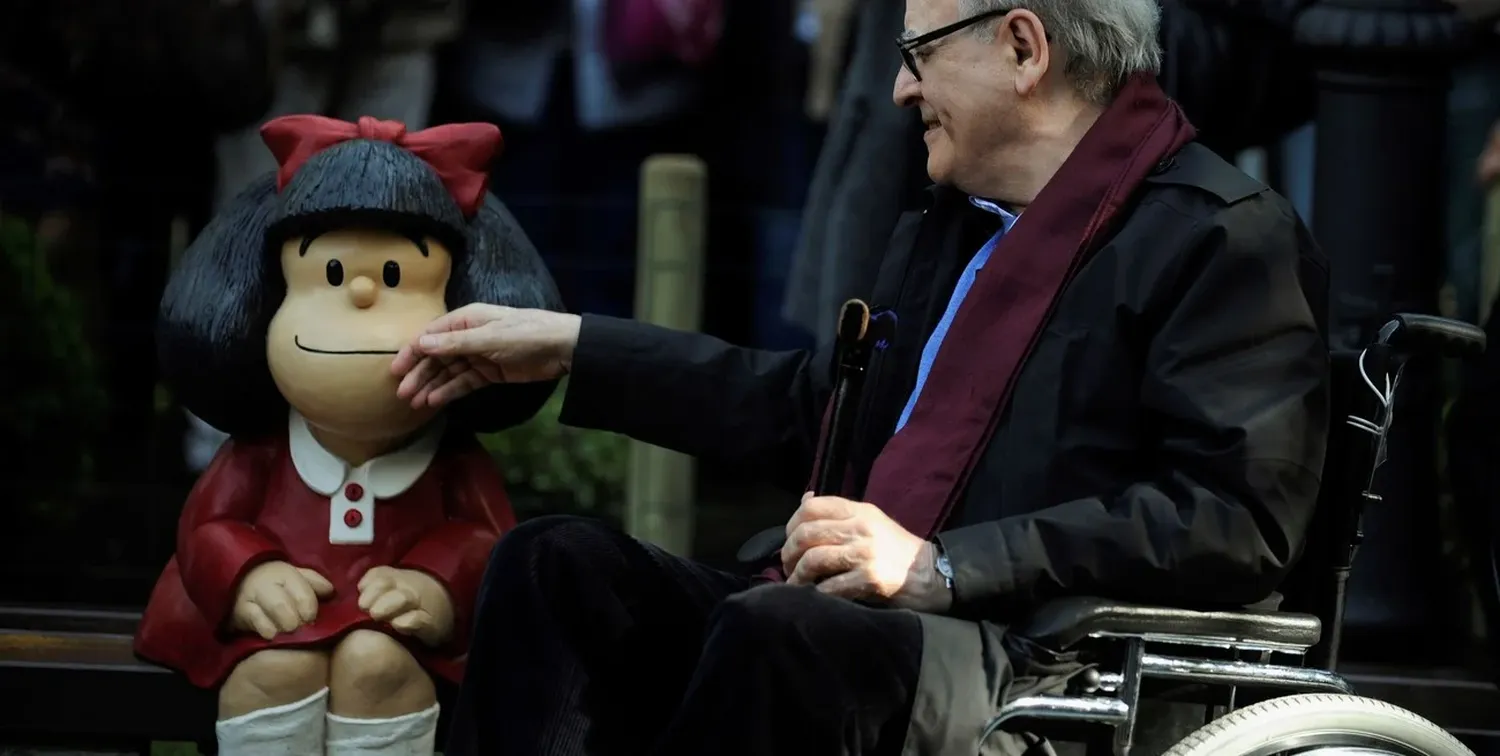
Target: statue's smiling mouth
{"x":296,"y":340}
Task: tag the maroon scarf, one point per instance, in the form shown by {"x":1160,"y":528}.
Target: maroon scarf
{"x":923,"y":469}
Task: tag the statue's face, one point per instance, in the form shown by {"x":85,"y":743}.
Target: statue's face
{"x":353,"y":299}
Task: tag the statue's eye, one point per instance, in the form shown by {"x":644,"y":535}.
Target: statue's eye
{"x":392,"y":273}
{"x":335,"y":273}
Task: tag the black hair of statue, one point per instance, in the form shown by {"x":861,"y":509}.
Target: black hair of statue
{"x":219,"y":302}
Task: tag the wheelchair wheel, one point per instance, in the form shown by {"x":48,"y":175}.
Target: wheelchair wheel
{"x":1320,"y":723}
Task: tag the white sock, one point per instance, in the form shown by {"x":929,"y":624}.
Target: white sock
{"x":294,"y":729}
{"x":412,"y":734}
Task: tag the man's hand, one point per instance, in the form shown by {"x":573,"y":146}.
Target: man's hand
{"x":480,"y":344}
{"x":852,"y":549}
{"x":277,"y":597}
{"x":413,"y":602}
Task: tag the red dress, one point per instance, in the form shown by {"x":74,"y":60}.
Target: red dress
{"x":438,"y":506}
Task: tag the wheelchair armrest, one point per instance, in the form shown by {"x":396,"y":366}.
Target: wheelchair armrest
{"x":1063,"y":623}
{"x":1454,"y":339}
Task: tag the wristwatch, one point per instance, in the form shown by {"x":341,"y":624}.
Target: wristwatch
{"x":944,"y":567}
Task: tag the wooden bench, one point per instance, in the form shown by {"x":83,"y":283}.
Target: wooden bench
{"x":70,"y":678}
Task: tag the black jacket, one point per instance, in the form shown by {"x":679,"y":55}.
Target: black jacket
{"x":1165,"y":440}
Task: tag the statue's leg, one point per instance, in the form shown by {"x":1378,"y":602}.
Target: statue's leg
{"x":275,"y":701}
{"x":381,"y":702}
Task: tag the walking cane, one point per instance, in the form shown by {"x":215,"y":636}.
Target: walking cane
{"x":851,"y":363}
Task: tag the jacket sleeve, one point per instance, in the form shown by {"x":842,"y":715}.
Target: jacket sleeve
{"x":456,"y":552}
{"x":750,"y":409}
{"x":1234,"y":393}
{"x":216,"y":540}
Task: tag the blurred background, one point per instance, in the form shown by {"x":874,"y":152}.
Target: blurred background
{"x":123,"y":126}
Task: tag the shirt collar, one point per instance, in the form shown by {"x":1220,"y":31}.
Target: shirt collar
{"x":386,"y":476}
{"x":1007,"y":218}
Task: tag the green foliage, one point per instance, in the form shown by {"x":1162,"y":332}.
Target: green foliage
{"x":164,"y":748}
{"x":53,"y":399}
{"x":553,"y":468}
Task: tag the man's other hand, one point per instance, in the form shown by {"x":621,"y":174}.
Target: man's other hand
{"x":852,"y":549}
{"x":480,"y":344}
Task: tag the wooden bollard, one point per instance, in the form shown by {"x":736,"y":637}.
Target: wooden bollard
{"x":660,"y":484}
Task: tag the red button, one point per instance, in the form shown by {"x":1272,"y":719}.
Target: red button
{"x":353,"y":518}
{"x":354,"y":492}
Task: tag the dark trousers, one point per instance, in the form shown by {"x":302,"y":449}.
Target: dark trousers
{"x":587,"y":641}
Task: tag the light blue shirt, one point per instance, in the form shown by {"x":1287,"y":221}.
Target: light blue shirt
{"x":965,"y":282}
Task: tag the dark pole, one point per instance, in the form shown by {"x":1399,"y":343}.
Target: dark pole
{"x":1383,"y":71}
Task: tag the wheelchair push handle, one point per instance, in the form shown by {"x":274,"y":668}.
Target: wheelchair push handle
{"x":1409,"y":333}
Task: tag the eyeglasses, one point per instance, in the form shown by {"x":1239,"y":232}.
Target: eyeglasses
{"x":906,"y":45}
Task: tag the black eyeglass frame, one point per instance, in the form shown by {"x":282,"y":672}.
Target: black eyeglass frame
{"x":906,"y":46}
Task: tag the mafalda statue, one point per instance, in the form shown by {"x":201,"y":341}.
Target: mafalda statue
{"x":328,"y":559}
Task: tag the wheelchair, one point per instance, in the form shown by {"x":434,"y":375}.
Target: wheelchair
{"x":1263,"y":682}
{"x":1285,"y":660}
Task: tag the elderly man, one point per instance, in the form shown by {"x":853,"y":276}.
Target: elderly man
{"x":1106,"y":376}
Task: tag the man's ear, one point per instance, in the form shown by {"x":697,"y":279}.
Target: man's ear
{"x":1022,"y":32}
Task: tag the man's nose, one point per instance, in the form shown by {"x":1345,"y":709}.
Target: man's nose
{"x":907,"y":89}
{"x":362,"y":292}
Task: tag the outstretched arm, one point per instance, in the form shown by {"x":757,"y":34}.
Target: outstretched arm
{"x":749,"y":408}
{"x":754,"y":409}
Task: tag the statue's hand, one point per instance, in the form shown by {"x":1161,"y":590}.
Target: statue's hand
{"x":413,"y":602}
{"x":277,"y":597}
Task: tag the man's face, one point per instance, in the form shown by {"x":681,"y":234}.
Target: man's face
{"x":966,"y":95}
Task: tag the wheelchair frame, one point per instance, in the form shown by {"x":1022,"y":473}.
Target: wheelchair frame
{"x":1113,"y":699}
{"x":1138,"y":636}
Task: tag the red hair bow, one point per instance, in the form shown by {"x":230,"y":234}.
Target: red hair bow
{"x":460,"y":153}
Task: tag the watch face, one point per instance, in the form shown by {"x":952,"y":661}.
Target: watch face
{"x":943,"y":567}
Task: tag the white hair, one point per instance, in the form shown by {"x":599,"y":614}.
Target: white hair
{"x":1105,"y":41}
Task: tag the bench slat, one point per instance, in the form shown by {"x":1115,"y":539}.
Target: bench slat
{"x":71,"y":649}
{"x":49,"y":619}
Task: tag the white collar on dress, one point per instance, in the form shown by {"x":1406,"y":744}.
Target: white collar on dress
{"x":386,"y":476}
